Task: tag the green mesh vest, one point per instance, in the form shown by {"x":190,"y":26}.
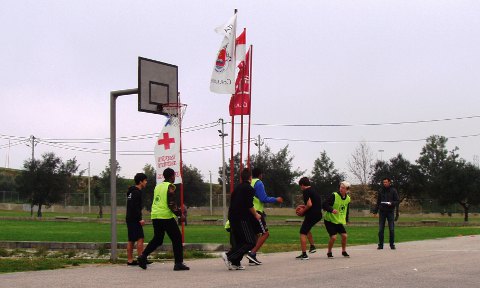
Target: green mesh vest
{"x":341,"y":206}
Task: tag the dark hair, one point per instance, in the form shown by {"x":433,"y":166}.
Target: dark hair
{"x":304,"y":181}
{"x":139,"y":177}
{"x":245,"y":175}
{"x":386,"y":178}
{"x":256,"y":172}
{"x":168,"y":174}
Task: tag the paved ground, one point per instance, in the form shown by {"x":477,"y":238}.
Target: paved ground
{"x":451,"y":262}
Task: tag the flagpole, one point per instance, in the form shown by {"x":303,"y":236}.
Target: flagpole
{"x":242,"y":83}
{"x":182,"y":207}
{"x":232,"y":184}
{"x":250,"y":60}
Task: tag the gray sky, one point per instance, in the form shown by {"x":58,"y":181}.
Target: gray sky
{"x":314,"y":62}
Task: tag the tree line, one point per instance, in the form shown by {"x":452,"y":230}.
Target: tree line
{"x":438,"y":174}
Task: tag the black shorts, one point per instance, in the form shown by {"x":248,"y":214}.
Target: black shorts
{"x":260,"y":226}
{"x":333,"y":228}
{"x":307,"y":224}
{"x":135,"y":231}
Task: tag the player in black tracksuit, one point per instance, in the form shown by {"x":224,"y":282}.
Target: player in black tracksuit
{"x":134,"y":217}
{"x":387,"y":200}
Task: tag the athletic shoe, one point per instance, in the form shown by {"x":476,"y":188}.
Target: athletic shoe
{"x":180,"y":267}
{"x":133,"y":263}
{"x":238,"y":267}
{"x":330,"y":255}
{"x":253,"y":257}
{"x":380,"y":247}
{"x":312,"y":249}
{"x":302,"y":257}
{"x":142,"y":262}
{"x":393,"y":247}
{"x":149,"y":262}
{"x":345,"y":254}
{"x":227,"y":262}
{"x":251,"y":263}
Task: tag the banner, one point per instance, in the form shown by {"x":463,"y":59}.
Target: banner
{"x":223,"y":74}
{"x":167,"y":152}
{"x":240,"y":101}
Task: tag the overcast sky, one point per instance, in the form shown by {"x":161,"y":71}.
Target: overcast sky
{"x":314,"y":62}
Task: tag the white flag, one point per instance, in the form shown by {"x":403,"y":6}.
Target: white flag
{"x":223,"y":75}
{"x":167,"y":152}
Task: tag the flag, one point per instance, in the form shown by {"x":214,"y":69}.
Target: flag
{"x":241,"y":46}
{"x":240,"y":101}
{"x":167,"y":152}
{"x":223,"y":74}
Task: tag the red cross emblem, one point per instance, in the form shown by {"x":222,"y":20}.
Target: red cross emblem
{"x":166,"y":141}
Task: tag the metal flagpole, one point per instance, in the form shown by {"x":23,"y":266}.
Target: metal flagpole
{"x":250,"y":56}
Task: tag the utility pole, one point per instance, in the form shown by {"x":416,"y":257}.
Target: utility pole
{"x":32,"y":138}
{"x":224,"y":186}
{"x":211,"y":206}
{"x":259,"y":143}
{"x":89,"y":209}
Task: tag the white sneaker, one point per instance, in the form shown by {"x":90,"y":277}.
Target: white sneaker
{"x":239,"y":267}
{"x":227,"y":262}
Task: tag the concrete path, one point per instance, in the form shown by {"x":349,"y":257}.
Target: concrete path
{"x":450,"y":262}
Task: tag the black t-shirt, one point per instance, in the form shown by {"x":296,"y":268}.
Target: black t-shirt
{"x":134,"y":205}
{"x":316,"y":210}
{"x":240,"y":203}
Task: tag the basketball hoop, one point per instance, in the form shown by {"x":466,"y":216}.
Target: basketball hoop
{"x":175,"y":112}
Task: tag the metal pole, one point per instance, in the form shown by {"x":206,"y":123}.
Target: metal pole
{"x":224,"y":177}
{"x":89,"y":209}
{"x":113,"y":168}
{"x":211,"y":206}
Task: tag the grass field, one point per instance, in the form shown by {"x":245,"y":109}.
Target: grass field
{"x":27,"y":230}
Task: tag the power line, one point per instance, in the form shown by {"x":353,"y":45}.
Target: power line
{"x":367,"y":124}
{"x":367,"y":141}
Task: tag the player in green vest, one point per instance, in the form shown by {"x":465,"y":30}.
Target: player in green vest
{"x":164,"y":212}
{"x":260,"y":227}
{"x":336,"y":216}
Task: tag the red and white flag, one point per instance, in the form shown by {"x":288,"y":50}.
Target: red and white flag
{"x":241,"y":44}
{"x":223,"y":75}
{"x":240,"y":101}
{"x":167,"y":152}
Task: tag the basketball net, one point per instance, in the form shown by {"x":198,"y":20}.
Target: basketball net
{"x":175,"y":112}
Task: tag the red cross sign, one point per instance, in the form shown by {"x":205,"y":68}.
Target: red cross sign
{"x":166,"y":141}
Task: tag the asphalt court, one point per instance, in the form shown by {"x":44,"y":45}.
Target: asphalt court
{"x":448,"y":262}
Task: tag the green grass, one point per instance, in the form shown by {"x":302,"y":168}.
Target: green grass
{"x":28,"y":230}
{"x":34,"y":264}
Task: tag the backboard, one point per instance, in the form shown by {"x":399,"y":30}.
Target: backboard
{"x":157,"y":85}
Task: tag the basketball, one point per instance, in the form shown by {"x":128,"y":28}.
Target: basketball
{"x":299,"y":210}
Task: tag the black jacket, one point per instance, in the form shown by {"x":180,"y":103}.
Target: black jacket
{"x":240,"y":203}
{"x":386,"y":195}
{"x":134,"y":205}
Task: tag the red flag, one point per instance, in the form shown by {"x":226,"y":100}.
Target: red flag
{"x":240,"y":101}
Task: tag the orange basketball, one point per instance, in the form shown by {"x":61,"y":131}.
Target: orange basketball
{"x":299,"y":210}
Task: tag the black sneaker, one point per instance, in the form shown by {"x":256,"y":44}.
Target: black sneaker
{"x":133,"y":263}
{"x":345,"y":254}
{"x":380,"y":247}
{"x":253,"y":257}
{"x":180,"y":267}
{"x":149,"y":262}
{"x":312,"y":249}
{"x":303,"y":256}
{"x":251,"y":263}
{"x":330,"y":255}
{"x":142,"y":262}
{"x":393,"y":247}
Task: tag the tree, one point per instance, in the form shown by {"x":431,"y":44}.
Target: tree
{"x":406,"y":178}
{"x":97,"y":193}
{"x":104,"y":182}
{"x":236,"y":170}
{"x":361,"y":165}
{"x":151,"y":183}
{"x":194,"y":191}
{"x":434,"y":155}
{"x":458,"y":182}
{"x":278,"y":174}
{"x":45,"y":181}
{"x":325,"y":178}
